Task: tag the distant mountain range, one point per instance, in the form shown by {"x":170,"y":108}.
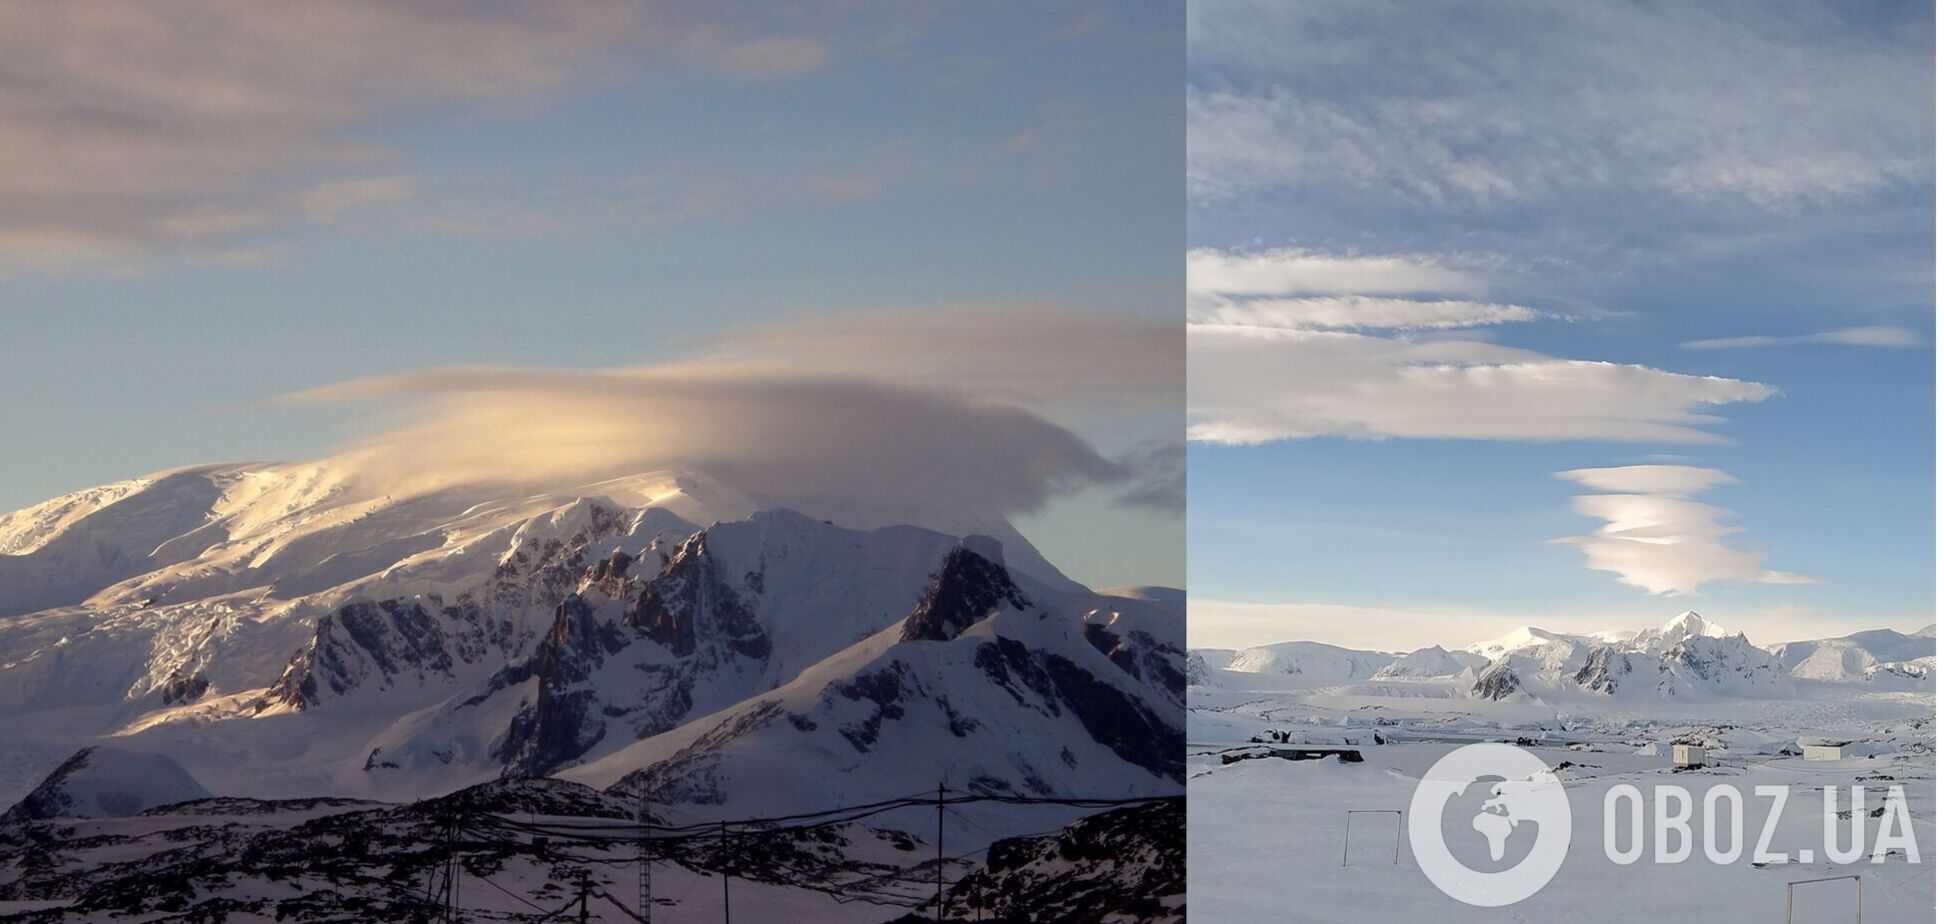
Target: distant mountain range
{"x":1687,"y":657}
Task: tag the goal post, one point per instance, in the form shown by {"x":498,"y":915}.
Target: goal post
{"x":1857,"y":878}
{"x":1397,"y":845}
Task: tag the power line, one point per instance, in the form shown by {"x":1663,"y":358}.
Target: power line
{"x":484,"y":831}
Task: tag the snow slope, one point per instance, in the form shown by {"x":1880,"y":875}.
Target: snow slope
{"x":992,"y":684}
{"x":1872,"y":655}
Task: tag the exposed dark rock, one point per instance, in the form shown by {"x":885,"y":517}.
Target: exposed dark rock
{"x":1114,"y":718}
{"x":559,"y":727}
{"x":1602,"y":670}
{"x":379,"y":639}
{"x":1120,"y":721}
{"x":886,"y":689}
{"x":1141,"y":656}
{"x":1127,"y":864}
{"x":967,"y":588}
{"x":48,"y":800}
{"x":689,"y":591}
{"x":180,"y":689}
{"x":1498,"y":682}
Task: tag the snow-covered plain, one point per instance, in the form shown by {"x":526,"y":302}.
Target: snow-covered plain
{"x":1267,"y":836}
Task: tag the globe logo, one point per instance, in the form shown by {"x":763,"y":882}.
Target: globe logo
{"x":1525,"y":795}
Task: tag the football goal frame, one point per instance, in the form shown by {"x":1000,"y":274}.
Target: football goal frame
{"x":1397,"y":845}
{"x":1855,"y":877}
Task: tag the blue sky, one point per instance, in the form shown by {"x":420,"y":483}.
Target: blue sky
{"x":363,"y":191}
{"x":1442,"y":253}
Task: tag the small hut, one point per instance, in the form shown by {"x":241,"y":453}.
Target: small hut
{"x":1837,"y":751}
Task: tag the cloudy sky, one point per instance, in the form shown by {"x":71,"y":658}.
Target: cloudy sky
{"x":603,"y":223}
{"x":1574,"y":315}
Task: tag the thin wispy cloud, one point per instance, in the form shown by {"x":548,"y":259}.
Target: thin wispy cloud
{"x":1742,"y":104}
{"x":1033,"y":353}
{"x":1876,"y":336}
{"x":327,"y":202}
{"x":1657,"y":537}
{"x":130,"y":127}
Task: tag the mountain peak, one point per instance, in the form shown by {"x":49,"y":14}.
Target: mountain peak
{"x":103,"y":782}
{"x":1685,"y":626}
{"x":1691,"y":620}
{"x":967,"y":587}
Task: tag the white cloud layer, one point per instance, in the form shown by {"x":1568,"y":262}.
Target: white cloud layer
{"x":1358,"y":312}
{"x":1873,"y":336}
{"x":882,"y":417}
{"x":1339,"y":361}
{"x":1291,"y":271}
{"x":1657,"y":537}
{"x":867,"y":450}
{"x":1248,"y":385}
{"x":1684,"y":480}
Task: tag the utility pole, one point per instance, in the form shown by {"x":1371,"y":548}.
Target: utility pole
{"x":583,"y":897}
{"x":446,"y":892}
{"x":725,"y":872}
{"x":647,"y":863}
{"x":451,"y":830}
{"x":941,"y":851}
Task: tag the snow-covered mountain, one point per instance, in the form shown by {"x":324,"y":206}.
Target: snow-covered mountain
{"x":990,"y":684}
{"x":1685,"y":658}
{"x":1675,"y":631}
{"x":103,"y":782}
{"x":1434,"y":661}
{"x":287,"y":630}
{"x":1317,"y":664}
{"x":1313,"y":661}
{"x":1875,"y":655}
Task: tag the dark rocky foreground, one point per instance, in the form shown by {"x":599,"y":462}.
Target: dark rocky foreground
{"x":346,"y":860}
{"x":1128,"y":864}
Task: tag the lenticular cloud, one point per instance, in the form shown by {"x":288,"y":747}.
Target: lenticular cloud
{"x":785,"y":438}
{"x":1657,"y":537}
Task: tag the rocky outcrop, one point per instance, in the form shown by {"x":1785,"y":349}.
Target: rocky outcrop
{"x":1141,"y":656}
{"x":181,"y":688}
{"x":1122,"y":722}
{"x":368,"y":641}
{"x":966,"y":589}
{"x":1497,"y":682}
{"x":1127,"y":864}
{"x":690,"y":600}
{"x":1603,"y":669}
{"x":558,"y":726}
